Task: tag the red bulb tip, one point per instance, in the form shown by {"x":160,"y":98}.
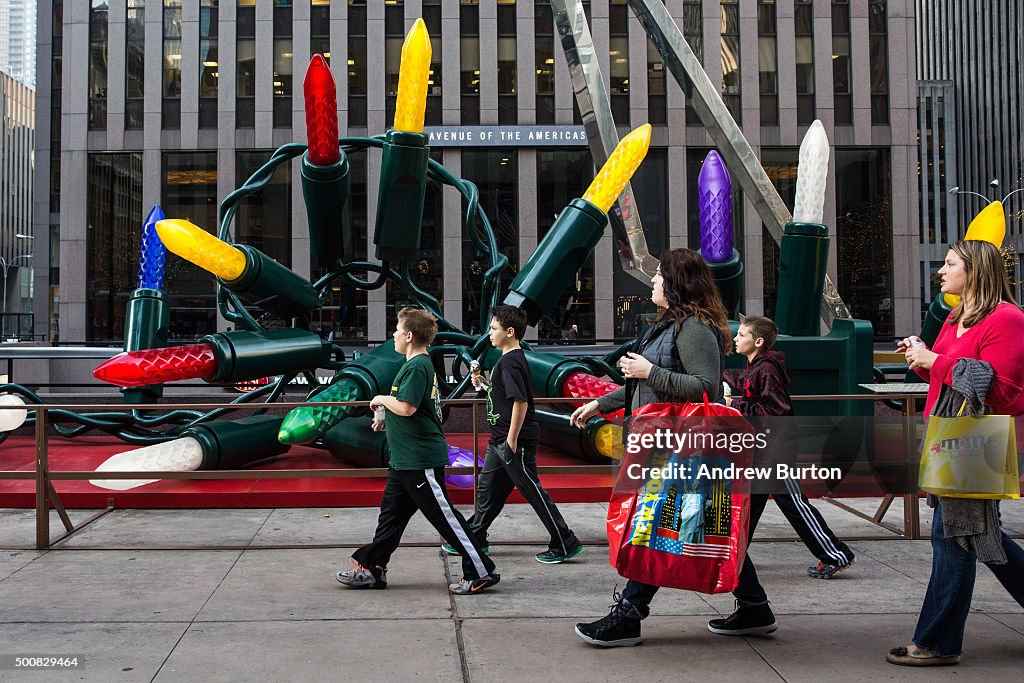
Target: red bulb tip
{"x":156,"y":366}
{"x":584,"y":385}
{"x":321,"y":112}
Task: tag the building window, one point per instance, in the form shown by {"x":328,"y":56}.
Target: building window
{"x":282,"y":65}
{"x":394,"y":39}
{"x":357,"y":63}
{"x":172,"y":65}
{"x":731,"y":82}
{"x":805,"y":110}
{"x":208,"y":64}
{"x":189,"y":190}
{"x":544,"y":59}
{"x":767,"y":62}
{"x":507,"y":99}
{"x":563,"y":174}
{"x":618,"y":61}
{"x":343,"y":313}
{"x":114,"y":205}
{"x":245,"y":61}
{"x":428,"y":269}
{"x":864,"y":236}
{"x":57,"y":79}
{"x":135,"y":63}
{"x":496,"y":173}
{"x":264,"y":219}
{"x":633,"y":304}
{"x":657,"y":102}
{"x":320,"y":29}
{"x":432,"y":18}
{"x":98,"y":65}
{"x":841,"y":69}
{"x":879,"y":47}
{"x":780,"y":163}
{"x":693,"y":33}
{"x":469,"y":61}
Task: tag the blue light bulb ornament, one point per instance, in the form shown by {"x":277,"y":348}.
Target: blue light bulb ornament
{"x":153,"y":253}
{"x":148,"y":313}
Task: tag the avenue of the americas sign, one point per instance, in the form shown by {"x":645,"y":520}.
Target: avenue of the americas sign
{"x":506,"y":136}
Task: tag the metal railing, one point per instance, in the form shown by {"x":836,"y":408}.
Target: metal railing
{"x":46,"y":495}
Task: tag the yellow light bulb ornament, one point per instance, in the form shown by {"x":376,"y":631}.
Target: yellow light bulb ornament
{"x":413,"y":74}
{"x":988,"y":226}
{"x":620,"y":167}
{"x":197,"y":246}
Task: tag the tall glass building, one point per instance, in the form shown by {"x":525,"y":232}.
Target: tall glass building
{"x":179,"y":101}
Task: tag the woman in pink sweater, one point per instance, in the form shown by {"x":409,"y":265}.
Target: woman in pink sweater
{"x":987,"y":325}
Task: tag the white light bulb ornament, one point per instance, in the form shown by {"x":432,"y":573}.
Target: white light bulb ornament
{"x":809,"y":203}
{"x":180,"y":455}
{"x":11,"y":419}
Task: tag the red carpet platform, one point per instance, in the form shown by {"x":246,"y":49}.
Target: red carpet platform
{"x":86,"y":453}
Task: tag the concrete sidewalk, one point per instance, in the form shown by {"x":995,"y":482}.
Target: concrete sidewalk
{"x":251,"y":613}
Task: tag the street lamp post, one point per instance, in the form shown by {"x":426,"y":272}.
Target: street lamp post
{"x":6,"y":266}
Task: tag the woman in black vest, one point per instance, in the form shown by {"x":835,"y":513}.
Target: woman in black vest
{"x":679,"y":358}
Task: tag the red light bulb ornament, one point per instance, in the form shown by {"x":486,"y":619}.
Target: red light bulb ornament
{"x":324,"y":169}
{"x":321,"y":112}
{"x":220,"y":357}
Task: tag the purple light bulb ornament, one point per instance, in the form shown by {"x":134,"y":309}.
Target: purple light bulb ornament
{"x":461,"y":457}
{"x":152,"y":253}
{"x":714,"y":196}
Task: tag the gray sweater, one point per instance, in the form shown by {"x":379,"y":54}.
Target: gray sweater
{"x":698,"y":350}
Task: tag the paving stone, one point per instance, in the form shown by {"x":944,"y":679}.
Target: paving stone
{"x":141,"y":528}
{"x":329,"y":651}
{"x":267,"y":585}
{"x":99,"y":586}
{"x":106,"y":652}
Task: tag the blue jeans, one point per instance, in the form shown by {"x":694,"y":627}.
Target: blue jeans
{"x":947,"y":602}
{"x":749,"y":591}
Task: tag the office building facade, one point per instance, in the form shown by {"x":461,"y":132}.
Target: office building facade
{"x":179,"y":101}
{"x":18,"y":40}
{"x":17,"y":121}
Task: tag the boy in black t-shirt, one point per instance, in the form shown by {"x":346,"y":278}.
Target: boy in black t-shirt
{"x":419,"y":454}
{"x":511,"y":460}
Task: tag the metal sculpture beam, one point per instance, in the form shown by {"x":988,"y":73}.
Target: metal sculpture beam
{"x":596,"y":112}
{"x":595,"y":108}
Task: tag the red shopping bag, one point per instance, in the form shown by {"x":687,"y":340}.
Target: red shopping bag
{"x":671,"y":522}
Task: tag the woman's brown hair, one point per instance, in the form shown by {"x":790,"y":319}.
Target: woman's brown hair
{"x":987,"y":284}
{"x":690,"y":290}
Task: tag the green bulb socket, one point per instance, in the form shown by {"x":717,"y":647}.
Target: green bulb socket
{"x":269,"y":285}
{"x":236,"y":444}
{"x":353,"y":441}
{"x":803,"y":259}
{"x":548,"y":372}
{"x":243,"y":355}
{"x":325,"y":190}
{"x":558,"y":258}
{"x":728,"y":277}
{"x":934,"y":319}
{"x":560,"y":434}
{"x":145,"y":327}
{"x":403,"y":184}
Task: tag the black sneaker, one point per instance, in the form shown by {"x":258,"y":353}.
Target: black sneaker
{"x":556,"y":556}
{"x":827,"y":571}
{"x":620,"y":628}
{"x":746,"y":621}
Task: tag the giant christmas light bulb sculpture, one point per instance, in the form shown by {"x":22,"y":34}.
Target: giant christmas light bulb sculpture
{"x":576,"y":231}
{"x":220,"y":357}
{"x":246,"y":271}
{"x":13,"y":418}
{"x":403,"y":175}
{"x":362,"y":379}
{"x":803,"y":251}
{"x":224,"y":444}
{"x":324,"y":169}
{"x":148,"y":313}
{"x":714,"y":196}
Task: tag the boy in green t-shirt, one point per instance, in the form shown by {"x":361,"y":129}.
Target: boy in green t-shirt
{"x":415,"y":481}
